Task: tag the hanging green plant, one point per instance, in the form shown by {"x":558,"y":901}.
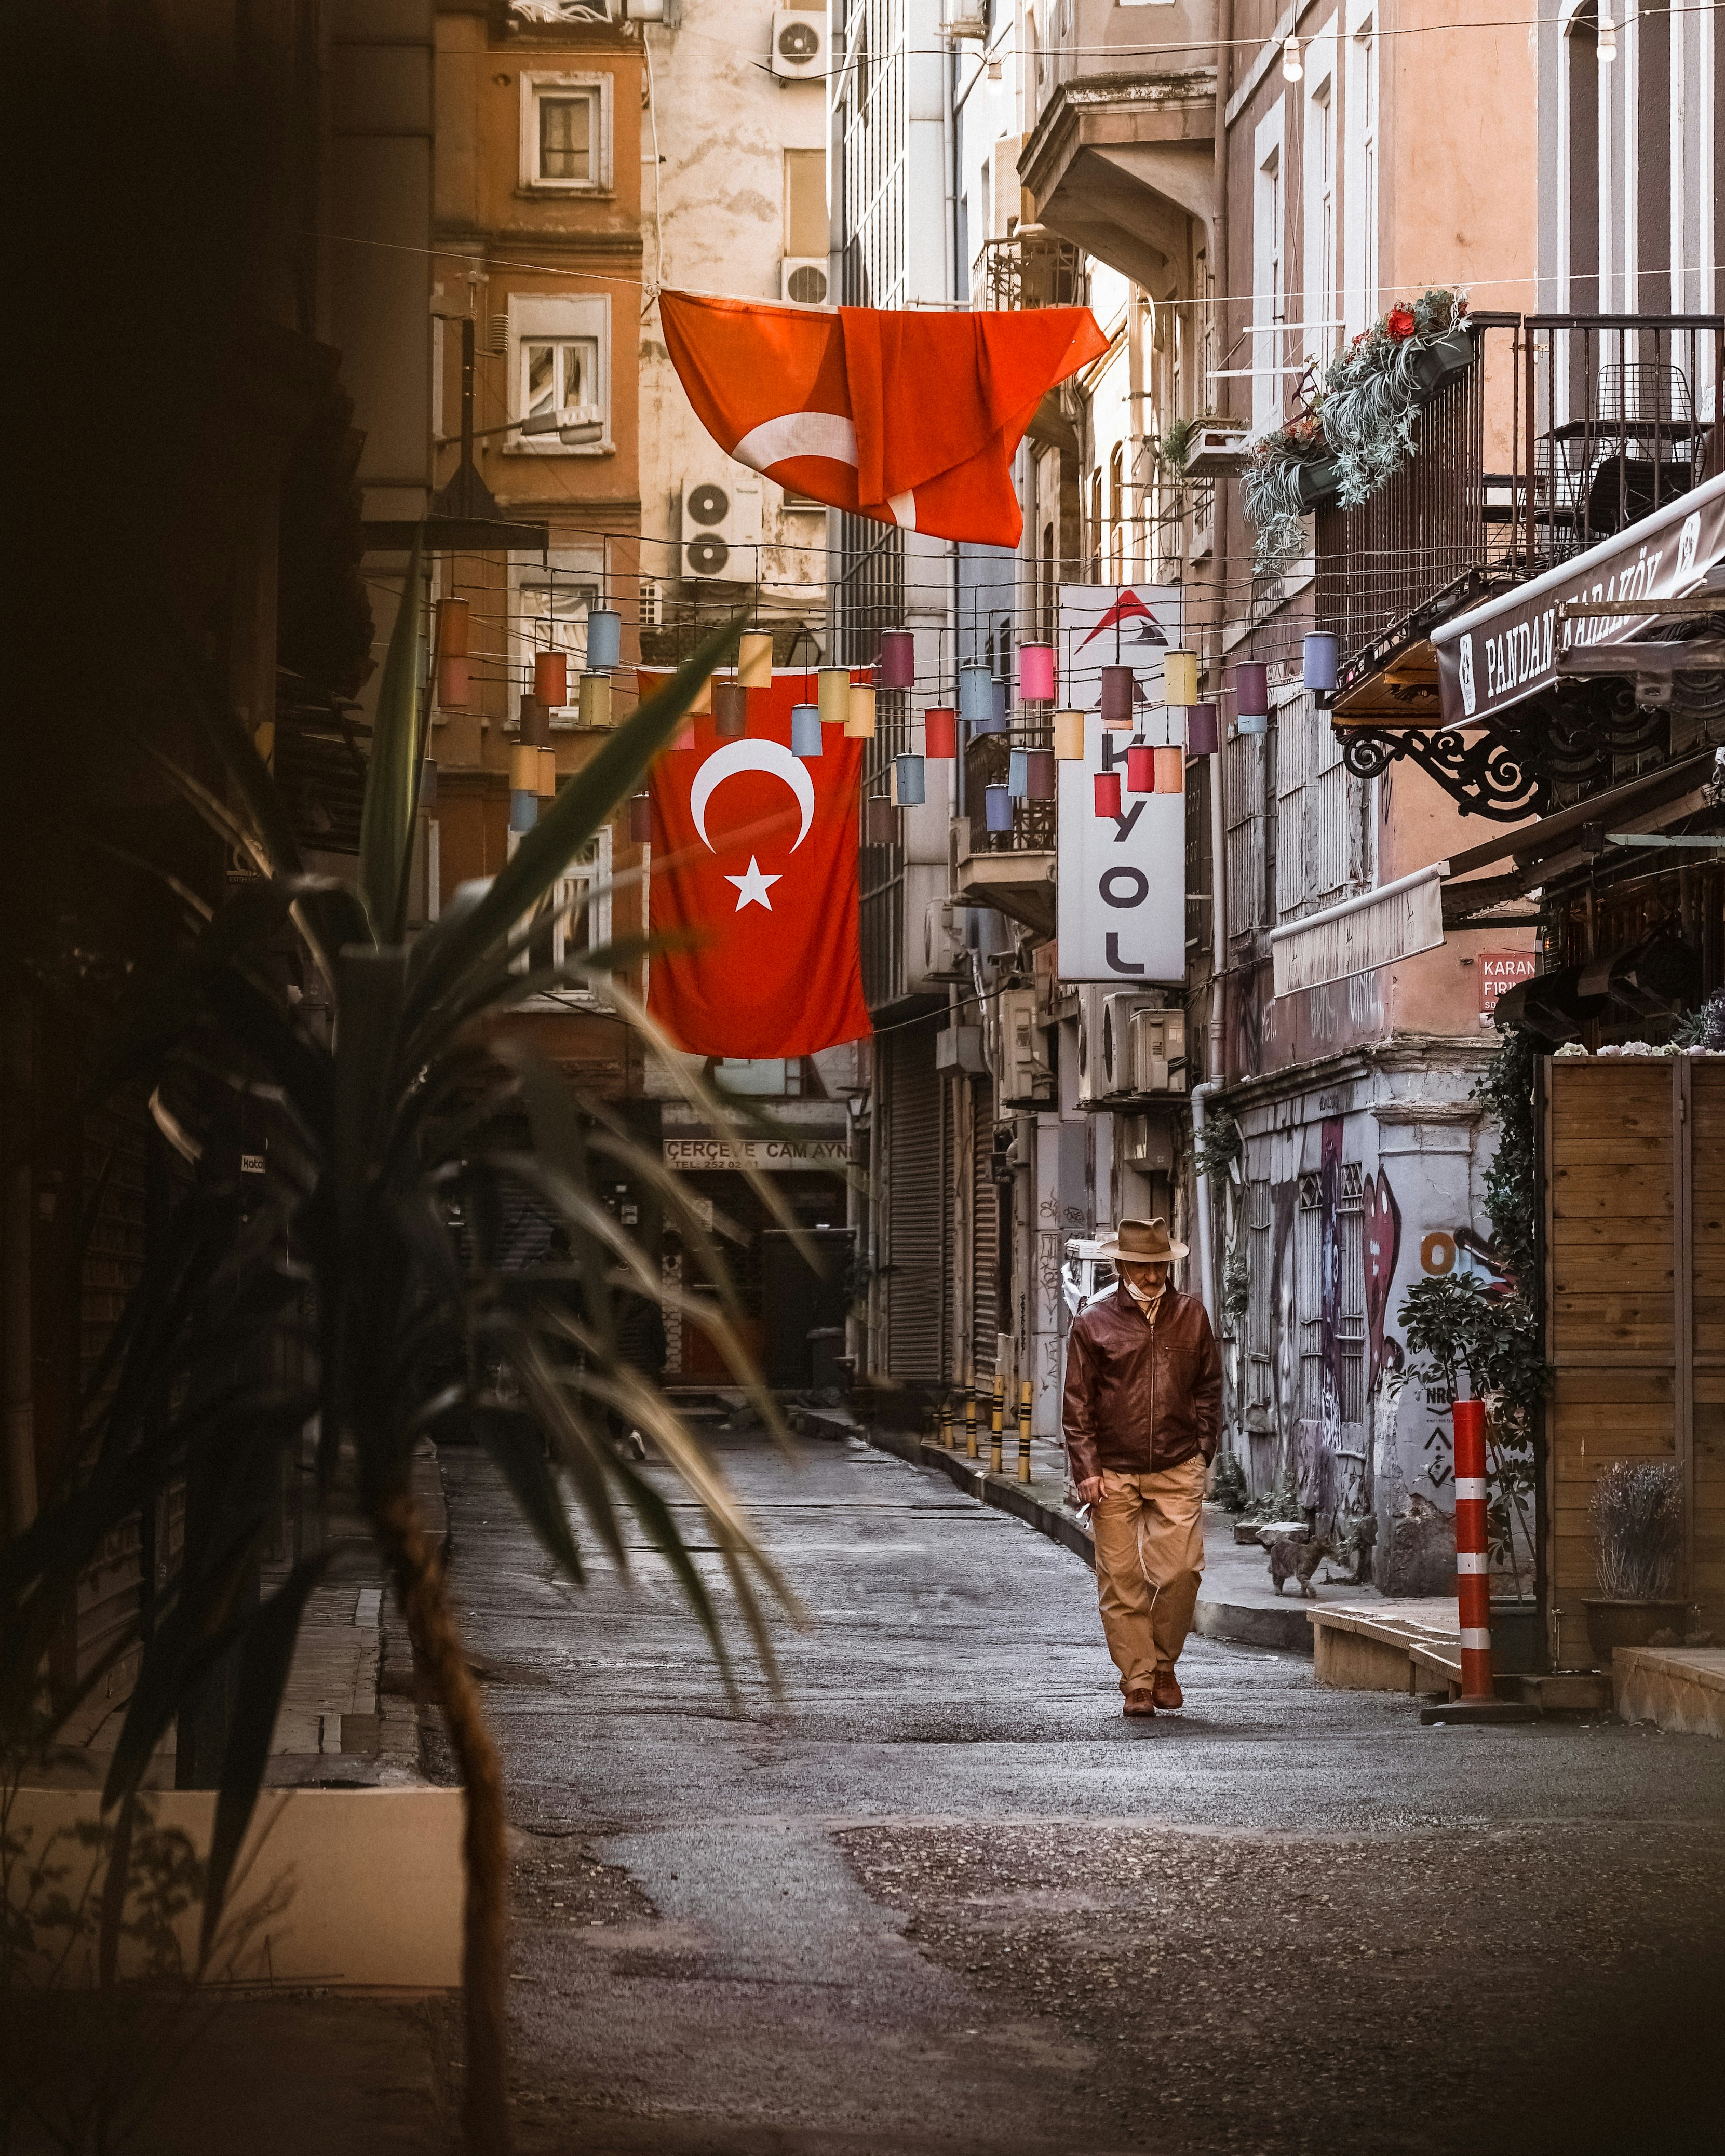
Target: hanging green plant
{"x":1374,"y":389}
{"x":1287,"y":475}
{"x":1220,"y":1146}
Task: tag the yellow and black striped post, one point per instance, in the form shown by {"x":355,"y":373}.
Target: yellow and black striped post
{"x":995,"y":1461}
{"x":970,"y":1450}
{"x":1024,"y":1430}
{"x":945,"y":1422}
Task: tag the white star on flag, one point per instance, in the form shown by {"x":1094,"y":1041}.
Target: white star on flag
{"x":751,"y":889}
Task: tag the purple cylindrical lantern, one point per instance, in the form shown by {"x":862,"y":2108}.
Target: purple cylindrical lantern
{"x":1140,"y":769}
{"x":1036,"y":672}
{"x":1107,"y":793}
{"x":641,"y":818}
{"x":879,"y":827}
{"x":940,"y":732}
{"x":1117,"y":686}
{"x":731,"y":710}
{"x":1203,"y":735}
{"x":896,"y":666}
{"x":1252,"y":690}
{"x":997,"y":807}
{"x":1040,"y":774}
{"x":1320,"y":661}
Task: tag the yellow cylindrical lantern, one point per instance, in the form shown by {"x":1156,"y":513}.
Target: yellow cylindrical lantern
{"x":754,"y":660}
{"x":1069,"y":736}
{"x":547,"y":772}
{"x":524,"y":768}
{"x":701,"y":706}
{"x":834,"y":696}
{"x":860,"y":713}
{"x":596,"y":700}
{"x":1179,"y":678}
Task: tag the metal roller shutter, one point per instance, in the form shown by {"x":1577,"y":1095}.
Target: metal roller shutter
{"x":913,"y":1208}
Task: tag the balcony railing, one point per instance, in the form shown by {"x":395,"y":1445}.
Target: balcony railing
{"x":1033,"y":268}
{"x":1565,"y":429}
{"x":988,"y":762}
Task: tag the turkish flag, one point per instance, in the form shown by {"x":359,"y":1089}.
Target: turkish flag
{"x":911,"y":419}
{"x":754,"y":877}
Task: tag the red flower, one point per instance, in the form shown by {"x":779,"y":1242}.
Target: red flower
{"x":1398,"y":323}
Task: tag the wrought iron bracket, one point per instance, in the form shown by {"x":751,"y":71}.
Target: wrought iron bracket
{"x":1484,"y":774}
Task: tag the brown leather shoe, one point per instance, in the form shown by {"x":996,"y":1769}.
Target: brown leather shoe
{"x":1139,"y":1702}
{"x":1167,"y":1692}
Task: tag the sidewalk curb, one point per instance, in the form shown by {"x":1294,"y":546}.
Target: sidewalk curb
{"x":1236,"y":1623}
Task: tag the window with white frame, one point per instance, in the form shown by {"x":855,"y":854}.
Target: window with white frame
{"x":559,"y":356}
{"x":549,"y":599}
{"x":565,"y":133}
{"x":1360,"y":174}
{"x":574,"y":919}
{"x":1268,"y":240}
{"x":1318,"y":308}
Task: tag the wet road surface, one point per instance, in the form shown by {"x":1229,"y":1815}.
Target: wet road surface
{"x":942,"y":1895}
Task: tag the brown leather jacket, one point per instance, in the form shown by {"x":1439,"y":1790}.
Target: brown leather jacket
{"x":1141,"y":1397}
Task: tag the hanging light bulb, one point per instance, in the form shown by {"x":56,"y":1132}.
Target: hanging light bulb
{"x":1291,"y":70}
{"x":1607,"y":38}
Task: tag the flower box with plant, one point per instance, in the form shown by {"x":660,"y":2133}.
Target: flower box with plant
{"x":1636,"y":1516}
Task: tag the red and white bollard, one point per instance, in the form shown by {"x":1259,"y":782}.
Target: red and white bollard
{"x":1479,"y":1701}
{"x":1473,"y":1561}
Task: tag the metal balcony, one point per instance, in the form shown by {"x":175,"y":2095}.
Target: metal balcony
{"x":1033,"y":268}
{"x":1012,"y":871}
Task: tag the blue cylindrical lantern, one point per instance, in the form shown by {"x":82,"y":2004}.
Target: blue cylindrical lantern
{"x":976,"y":695}
{"x":997,"y":807}
{"x":1320,"y":661}
{"x":604,"y":639}
{"x":911,"y":783}
{"x":523,"y":811}
{"x":1018,"y":775}
{"x":805,"y":730}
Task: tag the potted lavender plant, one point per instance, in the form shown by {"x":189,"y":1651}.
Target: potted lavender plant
{"x":1636,"y":1516}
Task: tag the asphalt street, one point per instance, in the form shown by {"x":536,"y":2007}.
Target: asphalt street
{"x":940,"y":1895}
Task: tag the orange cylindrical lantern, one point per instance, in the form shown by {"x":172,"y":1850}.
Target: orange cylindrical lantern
{"x":455,"y":681}
{"x":550,"y":679}
{"x":451,"y":629}
{"x":547,"y":772}
{"x":1170,"y":770}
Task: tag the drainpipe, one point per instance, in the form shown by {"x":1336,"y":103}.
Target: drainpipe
{"x":1200,"y":1097}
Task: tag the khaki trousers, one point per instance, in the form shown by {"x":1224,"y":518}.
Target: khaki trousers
{"x":1149,"y":1553}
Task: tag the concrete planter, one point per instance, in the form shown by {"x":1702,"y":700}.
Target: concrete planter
{"x":1612,"y":1625}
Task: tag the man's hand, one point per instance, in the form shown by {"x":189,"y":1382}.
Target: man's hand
{"x":1090,"y":1490}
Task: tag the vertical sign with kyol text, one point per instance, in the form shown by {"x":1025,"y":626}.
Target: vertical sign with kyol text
{"x":1122,"y":912}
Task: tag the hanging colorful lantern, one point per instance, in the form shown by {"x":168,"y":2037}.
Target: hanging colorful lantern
{"x":1069,"y":736}
{"x":595,"y":700}
{"x":731,"y":710}
{"x":1017,"y":775}
{"x":1140,"y":769}
{"x":1107,"y":793}
{"x":547,"y":773}
{"x":833,"y":691}
{"x":805,"y":730}
{"x":880,"y":825}
{"x":535,"y":722}
{"x":1119,"y":693}
{"x":997,"y":807}
{"x":1202,"y":734}
{"x":859,"y":716}
{"x":454,"y":618}
{"x":1036,"y":672}
{"x":550,"y":679}
{"x":523,"y":807}
{"x":1252,"y":690}
{"x":976,"y":695}
{"x":1320,"y":661}
{"x":641,"y":819}
{"x":940,"y":732}
{"x":909,"y":779}
{"x":1170,"y":770}
{"x":524,"y":768}
{"x":455,"y":681}
{"x":604,"y":639}
{"x":896,"y":666}
{"x":1041,"y":775}
{"x":754,"y":658}
{"x":1179,"y":678}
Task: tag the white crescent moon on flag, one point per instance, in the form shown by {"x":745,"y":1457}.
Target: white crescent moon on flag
{"x":827,"y":434}
{"x":769,"y":756}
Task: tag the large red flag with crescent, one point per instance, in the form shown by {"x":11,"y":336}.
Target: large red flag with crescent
{"x":911,"y":419}
{"x":754,"y":883}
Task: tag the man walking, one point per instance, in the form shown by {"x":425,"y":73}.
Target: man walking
{"x":1143,"y":1414}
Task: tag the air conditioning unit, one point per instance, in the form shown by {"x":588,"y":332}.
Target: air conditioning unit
{"x":1146,"y":1145}
{"x":721,"y":529}
{"x":1118,"y":1014}
{"x":959,"y":1048}
{"x":799,"y":45}
{"x":942,"y":941}
{"x":1157,"y":1052}
{"x":1091,"y":1084}
{"x":803,"y":280}
{"x":1019,"y":1055}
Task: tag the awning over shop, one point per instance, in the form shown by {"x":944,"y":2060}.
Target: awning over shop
{"x":1373,"y":928}
{"x":1500,"y":653}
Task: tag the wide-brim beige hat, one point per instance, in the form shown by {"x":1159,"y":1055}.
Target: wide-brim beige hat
{"x":1141,"y":1243}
